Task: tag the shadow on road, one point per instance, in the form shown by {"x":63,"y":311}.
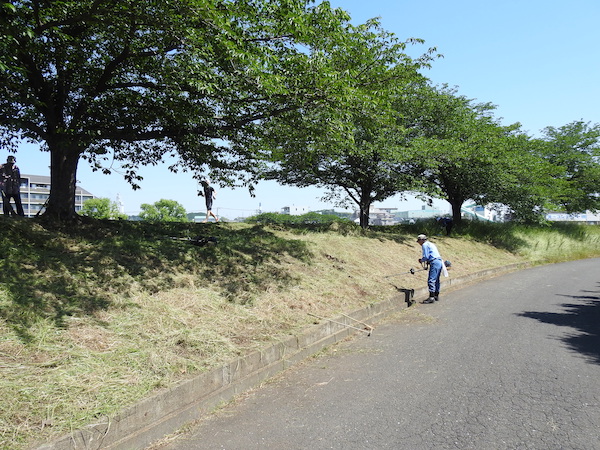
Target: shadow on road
{"x":583,"y":316}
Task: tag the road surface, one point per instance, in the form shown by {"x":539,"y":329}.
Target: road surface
{"x":509,"y":363}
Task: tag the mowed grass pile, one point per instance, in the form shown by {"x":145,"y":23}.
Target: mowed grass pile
{"x":97,"y":316}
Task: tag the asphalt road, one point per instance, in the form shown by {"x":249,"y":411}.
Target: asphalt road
{"x":509,"y":363}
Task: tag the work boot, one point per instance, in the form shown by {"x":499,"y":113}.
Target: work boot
{"x":431,"y":298}
{"x":436,"y":295}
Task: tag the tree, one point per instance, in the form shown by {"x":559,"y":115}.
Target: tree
{"x":133,"y":81}
{"x":575,"y":150}
{"x":465,"y":154}
{"x":370,"y":169}
{"x":353,"y":150}
{"x":163,"y":211}
{"x":526,"y":182}
{"x":366,"y":167}
{"x":101,"y":208}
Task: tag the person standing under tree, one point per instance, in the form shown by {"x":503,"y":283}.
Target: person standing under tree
{"x":209,"y":195}
{"x":10,"y":180}
{"x":431,"y":256}
{"x":446,"y":222}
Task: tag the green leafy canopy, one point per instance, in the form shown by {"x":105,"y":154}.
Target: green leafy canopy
{"x":128,"y":82}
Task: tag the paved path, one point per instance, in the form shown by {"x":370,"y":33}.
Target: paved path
{"x":509,"y":363}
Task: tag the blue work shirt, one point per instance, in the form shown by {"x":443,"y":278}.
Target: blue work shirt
{"x":430,"y":252}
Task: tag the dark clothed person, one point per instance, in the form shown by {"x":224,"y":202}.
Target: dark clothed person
{"x":447,"y":223}
{"x":209,"y":195}
{"x":10,"y":181}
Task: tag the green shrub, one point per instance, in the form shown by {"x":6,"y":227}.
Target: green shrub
{"x":311,"y":218}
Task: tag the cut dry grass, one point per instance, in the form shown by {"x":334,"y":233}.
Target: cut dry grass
{"x":95,"y":319}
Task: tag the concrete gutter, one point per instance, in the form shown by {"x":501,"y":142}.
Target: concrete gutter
{"x":136,"y":427}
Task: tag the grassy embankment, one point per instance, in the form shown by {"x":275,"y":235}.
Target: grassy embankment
{"x":96,"y":317}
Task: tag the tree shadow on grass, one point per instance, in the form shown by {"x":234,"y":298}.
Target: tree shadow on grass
{"x":583,"y":316}
{"x":54,"y":273}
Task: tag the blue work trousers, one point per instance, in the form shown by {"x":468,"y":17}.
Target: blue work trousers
{"x":435,"y":271}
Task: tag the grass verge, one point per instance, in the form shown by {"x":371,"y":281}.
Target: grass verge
{"x":96,"y":317}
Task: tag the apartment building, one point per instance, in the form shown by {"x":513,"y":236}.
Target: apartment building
{"x":35,"y":190}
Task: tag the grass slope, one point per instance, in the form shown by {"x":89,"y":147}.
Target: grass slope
{"x":96,"y":317}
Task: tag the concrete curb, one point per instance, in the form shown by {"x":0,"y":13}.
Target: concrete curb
{"x":151,"y":419}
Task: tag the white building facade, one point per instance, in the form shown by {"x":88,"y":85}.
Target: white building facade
{"x":295,"y":210}
{"x":587,"y":217}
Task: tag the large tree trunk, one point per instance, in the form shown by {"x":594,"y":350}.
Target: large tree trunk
{"x":364,"y":207}
{"x":456,"y":200}
{"x":63,"y":177}
{"x":456,"y":211}
{"x":364,"y":217}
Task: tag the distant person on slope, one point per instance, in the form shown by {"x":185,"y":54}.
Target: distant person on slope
{"x":209,"y":195}
{"x":447,"y":223}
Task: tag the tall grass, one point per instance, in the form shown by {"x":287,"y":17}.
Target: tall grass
{"x":552,"y":242}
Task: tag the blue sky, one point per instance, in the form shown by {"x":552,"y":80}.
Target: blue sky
{"x":537,"y":60}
